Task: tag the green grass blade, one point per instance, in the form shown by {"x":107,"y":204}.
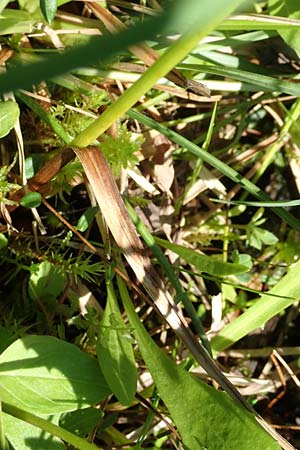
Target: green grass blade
{"x":217,"y":164}
{"x":271,"y":204}
{"x":264,"y":309}
{"x":258,"y":80}
{"x":258,"y":22}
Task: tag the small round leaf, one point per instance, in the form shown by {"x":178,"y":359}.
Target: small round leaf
{"x":31,"y":200}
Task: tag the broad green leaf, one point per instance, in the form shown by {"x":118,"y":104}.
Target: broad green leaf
{"x":203,"y":263}
{"x":31,"y":200}
{"x":289,"y":9}
{"x":284,"y":294}
{"x":115,"y":353}
{"x":46,"y":281}
{"x":14,"y":21}
{"x":48,"y":8}
{"x":44,"y":375}
{"x":205,"y":418}
{"x":9,"y":114}
{"x":87,"y":218}
{"x":82,"y":421}
{"x":24,"y":436}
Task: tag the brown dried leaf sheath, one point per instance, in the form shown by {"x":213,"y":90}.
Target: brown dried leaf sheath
{"x":123,"y":231}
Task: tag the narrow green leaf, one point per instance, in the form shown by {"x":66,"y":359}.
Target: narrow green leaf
{"x":44,"y":375}
{"x":284,"y":294}
{"x":262,"y":204}
{"x":9,"y":114}
{"x":258,"y":80}
{"x":203,"y":263}
{"x":46,"y":281}
{"x":289,"y":9}
{"x":258,"y":22}
{"x":115,"y":353}
{"x":205,"y":418}
{"x":48,"y":8}
{"x":31,"y":200}
{"x":87,"y":218}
